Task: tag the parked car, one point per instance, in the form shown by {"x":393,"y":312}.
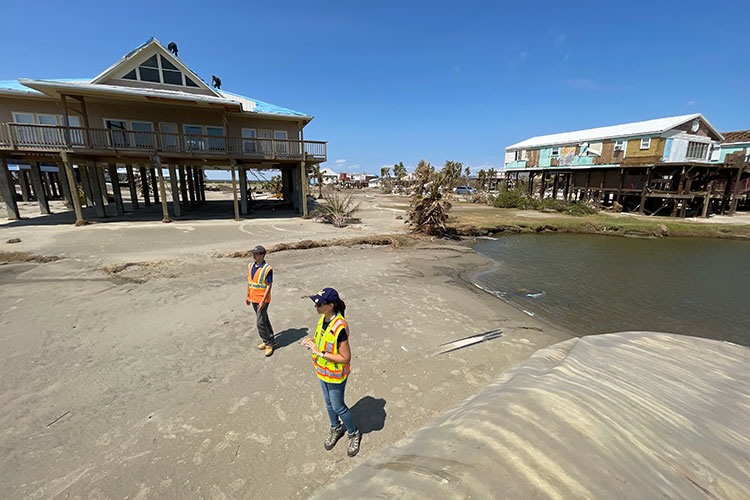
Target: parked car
{"x":464,"y":190}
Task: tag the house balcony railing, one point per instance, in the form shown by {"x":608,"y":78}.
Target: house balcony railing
{"x":58,"y":138}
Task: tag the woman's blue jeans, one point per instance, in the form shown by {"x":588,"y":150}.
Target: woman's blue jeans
{"x":337,"y":409}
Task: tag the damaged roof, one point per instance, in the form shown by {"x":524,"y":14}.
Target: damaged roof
{"x":736,"y":136}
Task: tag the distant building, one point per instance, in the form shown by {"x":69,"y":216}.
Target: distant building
{"x":329,"y":176}
{"x":680,"y":165}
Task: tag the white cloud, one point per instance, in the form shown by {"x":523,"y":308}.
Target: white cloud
{"x":691,"y":102}
{"x":560,"y":40}
{"x":340,"y":162}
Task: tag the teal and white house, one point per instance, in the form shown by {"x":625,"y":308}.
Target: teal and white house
{"x":674,"y":165}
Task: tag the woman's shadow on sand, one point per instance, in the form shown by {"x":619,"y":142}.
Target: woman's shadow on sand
{"x":369,"y":414}
{"x":289,"y":336}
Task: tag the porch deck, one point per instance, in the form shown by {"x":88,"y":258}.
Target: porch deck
{"x":22,"y":138}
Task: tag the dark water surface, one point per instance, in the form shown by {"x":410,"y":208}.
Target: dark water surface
{"x":598,"y":284}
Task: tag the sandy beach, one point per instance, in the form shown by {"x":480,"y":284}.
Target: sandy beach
{"x":147,"y":384}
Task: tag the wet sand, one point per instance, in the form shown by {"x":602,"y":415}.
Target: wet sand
{"x":147,"y":384}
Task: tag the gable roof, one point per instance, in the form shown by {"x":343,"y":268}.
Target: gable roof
{"x":737,"y":136}
{"x":140,"y":54}
{"x":237,"y":102}
{"x":648,"y":127}
{"x":92,"y":86}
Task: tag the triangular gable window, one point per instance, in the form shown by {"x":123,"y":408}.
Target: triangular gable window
{"x":149,"y":70}
{"x":165,"y":64}
{"x":151,"y":62}
{"x":159,"y":69}
{"x":170,"y":73}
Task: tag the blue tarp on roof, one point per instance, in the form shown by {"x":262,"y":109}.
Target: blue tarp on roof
{"x":265,"y":107}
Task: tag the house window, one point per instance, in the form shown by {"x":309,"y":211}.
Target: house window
{"x":697,"y":150}
{"x":130,"y":76}
{"x":556,"y":151}
{"x":282,"y":147}
{"x":168,"y":135}
{"x":249,"y":145}
{"x":47,"y":119}
{"x":645,"y":143}
{"x":194,"y":137}
{"x":24,"y":118}
{"x":215,"y":139}
{"x":189,"y":82}
{"x":619,"y":145}
{"x":170,"y":73}
{"x":142,"y":136}
{"x":130,"y":134}
{"x":204,"y":138}
{"x":118,"y":132}
{"x":149,"y":70}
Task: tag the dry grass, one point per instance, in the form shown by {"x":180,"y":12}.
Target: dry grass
{"x":8,"y":257}
{"x":394,"y":241}
{"x":140,"y":272}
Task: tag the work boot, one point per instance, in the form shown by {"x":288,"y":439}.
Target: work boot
{"x":262,"y":346}
{"x":333,"y":436}
{"x":354,"y":440}
{"x":269,"y":350}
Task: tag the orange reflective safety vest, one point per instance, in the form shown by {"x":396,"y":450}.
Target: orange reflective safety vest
{"x":256,"y":285}
{"x":328,"y":371}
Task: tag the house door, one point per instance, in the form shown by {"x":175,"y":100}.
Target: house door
{"x":545,"y":156}
{"x":264,"y":140}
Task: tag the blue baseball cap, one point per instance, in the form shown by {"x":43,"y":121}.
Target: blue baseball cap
{"x":325,"y":296}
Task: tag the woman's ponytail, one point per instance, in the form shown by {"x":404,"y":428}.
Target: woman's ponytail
{"x":340,"y":307}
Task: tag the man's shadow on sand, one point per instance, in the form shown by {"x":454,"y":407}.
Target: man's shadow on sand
{"x":289,"y":336}
{"x":369,"y":414}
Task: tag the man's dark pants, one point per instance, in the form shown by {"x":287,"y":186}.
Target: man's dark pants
{"x":265,"y":330}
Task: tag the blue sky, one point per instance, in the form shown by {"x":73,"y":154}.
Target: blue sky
{"x":400,"y":81}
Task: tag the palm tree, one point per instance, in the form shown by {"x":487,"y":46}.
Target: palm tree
{"x":482,"y":177}
{"x":452,"y":174}
{"x":492,"y":175}
{"x":317,"y":174}
{"x":429,"y":211}
{"x":399,"y":171}
{"x":467,"y":174}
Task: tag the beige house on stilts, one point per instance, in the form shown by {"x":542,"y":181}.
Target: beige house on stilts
{"x":146,"y":113}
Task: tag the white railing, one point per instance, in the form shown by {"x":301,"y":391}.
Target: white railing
{"x":21,"y":137}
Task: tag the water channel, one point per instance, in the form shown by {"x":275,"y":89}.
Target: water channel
{"x":599,"y":284}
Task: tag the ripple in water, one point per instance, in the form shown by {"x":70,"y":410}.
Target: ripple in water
{"x":597,"y":284}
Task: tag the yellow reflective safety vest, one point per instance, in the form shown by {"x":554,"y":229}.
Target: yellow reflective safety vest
{"x":256,"y":285}
{"x":328,"y":371}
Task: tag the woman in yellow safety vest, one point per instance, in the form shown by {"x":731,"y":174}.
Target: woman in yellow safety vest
{"x":331,"y":356}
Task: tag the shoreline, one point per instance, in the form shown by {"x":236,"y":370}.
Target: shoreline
{"x":467,"y":219}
